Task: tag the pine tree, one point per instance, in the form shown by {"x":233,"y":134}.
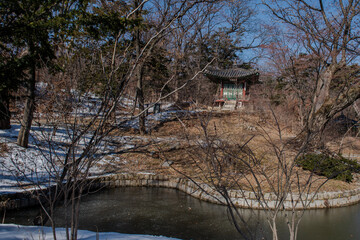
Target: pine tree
{"x":29,"y":30}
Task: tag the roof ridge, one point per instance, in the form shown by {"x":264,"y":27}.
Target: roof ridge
{"x":230,"y":73}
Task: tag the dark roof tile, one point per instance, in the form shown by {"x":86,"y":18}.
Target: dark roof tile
{"x":230,"y":73}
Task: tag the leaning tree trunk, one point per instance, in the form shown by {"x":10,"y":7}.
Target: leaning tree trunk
{"x":4,"y":110}
{"x":318,"y":115}
{"x":326,"y":106}
{"x":23,"y":137}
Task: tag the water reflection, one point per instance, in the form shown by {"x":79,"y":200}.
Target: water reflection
{"x":171,"y":213}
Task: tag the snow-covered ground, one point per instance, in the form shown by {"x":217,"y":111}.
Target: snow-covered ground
{"x":154,"y":119}
{"x":18,"y":232}
{"x":21,"y":167}
{"x":40,"y":163}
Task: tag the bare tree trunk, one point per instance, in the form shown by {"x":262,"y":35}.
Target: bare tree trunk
{"x":324,"y":106}
{"x":23,"y":137}
{"x":274,"y":229}
{"x":4,"y":110}
{"x":176,"y":95}
{"x":140,"y":99}
{"x":356,"y":108}
{"x":292,"y":228}
{"x":323,"y":88}
{"x":73,"y":210}
{"x":139,"y":86}
{"x":320,"y":97}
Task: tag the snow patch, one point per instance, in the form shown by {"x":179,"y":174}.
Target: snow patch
{"x":18,"y":232}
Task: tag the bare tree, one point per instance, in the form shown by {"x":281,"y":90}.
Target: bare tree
{"x":217,"y":32}
{"x":160,"y":21}
{"x":256,"y":169}
{"x":328,"y":31}
{"x":330,"y":41}
{"x":75,"y":124}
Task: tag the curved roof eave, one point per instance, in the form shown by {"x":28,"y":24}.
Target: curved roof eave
{"x":232,"y":74}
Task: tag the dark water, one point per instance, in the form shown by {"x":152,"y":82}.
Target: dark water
{"x":167,"y":212}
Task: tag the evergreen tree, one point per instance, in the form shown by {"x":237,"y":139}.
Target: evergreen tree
{"x":29,"y":30}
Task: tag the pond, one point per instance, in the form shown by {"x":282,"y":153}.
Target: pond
{"x":168,"y":212}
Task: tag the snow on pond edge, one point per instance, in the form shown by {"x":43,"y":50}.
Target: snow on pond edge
{"x":16,"y":232}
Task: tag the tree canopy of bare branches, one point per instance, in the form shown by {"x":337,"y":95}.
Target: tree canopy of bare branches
{"x":328,"y":31}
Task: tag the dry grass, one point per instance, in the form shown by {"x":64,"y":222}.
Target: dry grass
{"x":234,"y":129}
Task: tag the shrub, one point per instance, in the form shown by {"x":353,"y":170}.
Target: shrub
{"x":3,"y":149}
{"x":338,"y":167}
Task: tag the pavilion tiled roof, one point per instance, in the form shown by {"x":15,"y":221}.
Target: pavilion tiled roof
{"x":230,"y":74}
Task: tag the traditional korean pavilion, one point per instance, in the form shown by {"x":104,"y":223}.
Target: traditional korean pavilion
{"x":234,"y":85}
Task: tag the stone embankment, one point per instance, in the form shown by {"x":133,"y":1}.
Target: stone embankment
{"x":243,"y":199}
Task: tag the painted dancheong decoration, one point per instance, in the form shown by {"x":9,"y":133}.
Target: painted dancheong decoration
{"x":234,"y":85}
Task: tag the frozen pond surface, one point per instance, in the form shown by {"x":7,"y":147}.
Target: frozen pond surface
{"x":171,"y":213}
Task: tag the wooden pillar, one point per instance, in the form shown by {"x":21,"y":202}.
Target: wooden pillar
{"x":244,"y":90}
{"x":222,"y":90}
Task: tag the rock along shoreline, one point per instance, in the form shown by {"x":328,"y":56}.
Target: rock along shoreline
{"x":240,"y":198}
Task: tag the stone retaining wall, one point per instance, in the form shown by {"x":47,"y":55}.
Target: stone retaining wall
{"x":243,"y":199}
